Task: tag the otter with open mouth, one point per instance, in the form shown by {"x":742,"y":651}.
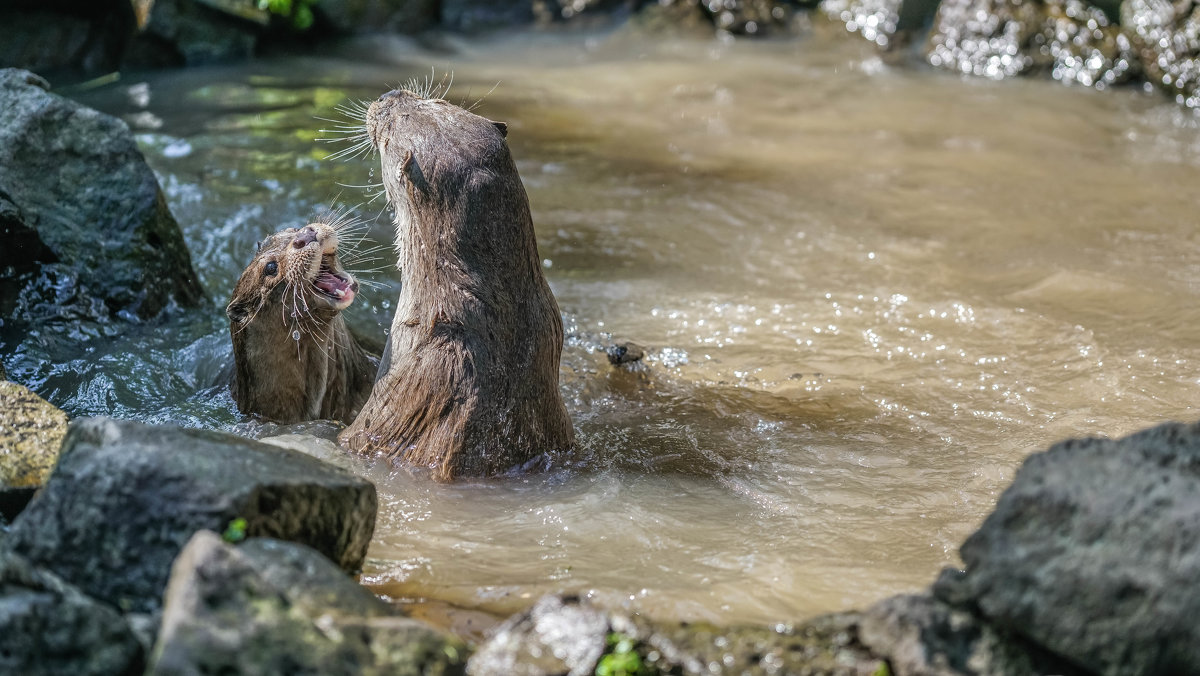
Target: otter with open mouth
{"x":468,"y":384}
{"x":294,"y":357}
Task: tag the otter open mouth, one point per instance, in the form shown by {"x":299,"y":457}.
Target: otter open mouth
{"x":334,"y":283}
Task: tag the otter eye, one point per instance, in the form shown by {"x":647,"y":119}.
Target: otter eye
{"x":270,"y":269}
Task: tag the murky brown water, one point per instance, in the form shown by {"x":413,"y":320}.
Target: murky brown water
{"x":867,"y":293}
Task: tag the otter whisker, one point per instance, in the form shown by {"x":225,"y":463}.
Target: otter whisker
{"x":478,"y":101}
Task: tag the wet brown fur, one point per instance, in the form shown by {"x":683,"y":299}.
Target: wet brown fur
{"x":326,"y":374}
{"x":469,"y":381}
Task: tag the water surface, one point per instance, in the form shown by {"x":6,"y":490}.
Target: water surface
{"x":867,"y":292}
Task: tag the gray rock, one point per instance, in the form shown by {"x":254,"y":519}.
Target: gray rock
{"x":75,"y":177}
{"x":562,"y":635}
{"x":1167,"y":37}
{"x":272,"y":607}
{"x":71,"y":38}
{"x":126,"y":497}
{"x":1094,"y":553}
{"x":923,"y":636}
{"x":49,"y":627}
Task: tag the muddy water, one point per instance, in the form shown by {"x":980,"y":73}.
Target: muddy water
{"x":866,"y":293}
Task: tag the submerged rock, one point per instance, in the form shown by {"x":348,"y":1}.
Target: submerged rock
{"x":272,"y":607}
{"x":1167,"y":37}
{"x":49,"y":627}
{"x":75,"y":177}
{"x":1093,"y":552}
{"x":126,"y":497}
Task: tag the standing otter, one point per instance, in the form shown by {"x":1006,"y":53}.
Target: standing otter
{"x":294,"y":357}
{"x":468,"y":384}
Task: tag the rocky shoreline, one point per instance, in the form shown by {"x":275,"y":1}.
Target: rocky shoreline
{"x":1100,"y":44}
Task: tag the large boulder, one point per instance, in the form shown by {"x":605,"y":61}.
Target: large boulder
{"x":1167,"y":36}
{"x":125,"y":498}
{"x":75,"y":186}
{"x":564,"y":635}
{"x":49,"y":627}
{"x":272,"y":607}
{"x":1094,"y":553}
{"x":75,"y":38}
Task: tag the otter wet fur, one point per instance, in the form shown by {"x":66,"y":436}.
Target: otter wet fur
{"x":294,"y":357}
{"x":468,"y":384}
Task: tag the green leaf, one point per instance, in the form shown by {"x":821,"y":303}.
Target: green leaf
{"x":235,"y":531}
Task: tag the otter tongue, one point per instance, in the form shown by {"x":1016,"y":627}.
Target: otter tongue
{"x":334,"y":286}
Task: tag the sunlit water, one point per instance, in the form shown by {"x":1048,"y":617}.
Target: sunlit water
{"x":867,"y":292}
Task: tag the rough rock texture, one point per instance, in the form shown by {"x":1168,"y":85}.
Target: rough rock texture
{"x":561,"y":635}
{"x":76,"y":177}
{"x":1094,"y":553}
{"x":1167,"y":37}
{"x":49,"y":627}
{"x":378,"y":16}
{"x":272,"y":607}
{"x":923,"y":636}
{"x":83,"y":37}
{"x":31,"y":431}
{"x":875,"y":20}
{"x":194,"y":33}
{"x":126,"y":497}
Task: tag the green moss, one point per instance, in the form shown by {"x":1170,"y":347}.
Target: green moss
{"x":622,"y":659}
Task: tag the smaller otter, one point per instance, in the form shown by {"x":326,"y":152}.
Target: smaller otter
{"x":295,"y":359}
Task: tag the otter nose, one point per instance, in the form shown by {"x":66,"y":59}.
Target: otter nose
{"x":302,"y":238}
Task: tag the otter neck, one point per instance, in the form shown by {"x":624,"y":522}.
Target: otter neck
{"x":284,"y":378}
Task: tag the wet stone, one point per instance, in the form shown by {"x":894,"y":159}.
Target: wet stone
{"x":875,"y":20}
{"x":273,"y":607}
{"x":986,"y":38}
{"x":1093,"y":553}
{"x":1084,"y":46}
{"x":1167,"y":37}
{"x":125,"y":497}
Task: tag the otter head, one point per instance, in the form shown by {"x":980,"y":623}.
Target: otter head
{"x":430,"y":151}
{"x":295,"y":272}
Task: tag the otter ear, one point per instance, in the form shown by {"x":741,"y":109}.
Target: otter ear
{"x":502,"y":126}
